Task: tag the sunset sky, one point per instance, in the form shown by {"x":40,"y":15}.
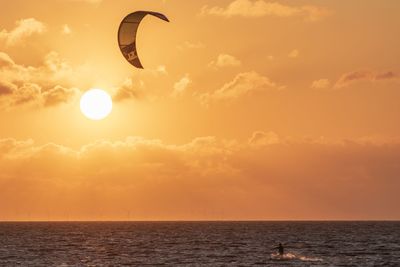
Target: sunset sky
{"x":245,"y":110}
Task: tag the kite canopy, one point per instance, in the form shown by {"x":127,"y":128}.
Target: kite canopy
{"x":127,"y":35}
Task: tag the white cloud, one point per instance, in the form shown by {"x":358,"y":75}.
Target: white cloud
{"x":260,"y":8}
{"x":243,"y":84}
{"x":24,"y":28}
{"x":181,"y":86}
{"x":224,"y":60}
{"x":5,"y":60}
{"x":87,"y":1}
{"x":260,"y":138}
{"x":162,"y":69}
{"x":57,"y":95}
{"x":190,"y":45}
{"x":66,"y":29}
{"x":128,"y":90}
{"x":48,"y":84}
{"x":134,"y":87}
{"x":320,"y":84}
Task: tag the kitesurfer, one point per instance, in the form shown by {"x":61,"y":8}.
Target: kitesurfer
{"x":280,"y":249}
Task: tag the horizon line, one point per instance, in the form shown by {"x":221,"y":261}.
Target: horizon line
{"x":183,"y":221}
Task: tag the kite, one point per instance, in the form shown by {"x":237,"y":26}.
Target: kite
{"x":127,"y":35}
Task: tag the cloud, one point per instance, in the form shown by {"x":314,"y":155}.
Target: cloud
{"x":243,"y":84}
{"x":7,"y":88}
{"x":87,"y":1}
{"x":320,"y":84}
{"x":24,"y":29}
{"x":294,"y":53}
{"x":46,"y":85}
{"x":261,"y":138}
{"x":181,"y":86}
{"x":128,"y":90}
{"x":314,"y":13}
{"x":366,"y":76}
{"x":261,"y":8}
{"x":5,"y":60}
{"x":66,"y":29}
{"x":33,"y":94}
{"x":224,"y":60}
{"x":190,"y":45}
{"x":162,"y":69}
{"x":139,"y":85}
{"x":56,"y":64}
{"x":58,"y":94}
{"x":206,"y":178}
{"x":28,"y":92}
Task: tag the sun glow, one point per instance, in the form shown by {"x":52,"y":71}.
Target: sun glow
{"x":96,"y":104}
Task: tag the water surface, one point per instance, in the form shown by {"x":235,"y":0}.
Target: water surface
{"x":199,"y":244}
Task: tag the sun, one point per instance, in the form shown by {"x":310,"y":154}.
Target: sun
{"x":96,"y":104}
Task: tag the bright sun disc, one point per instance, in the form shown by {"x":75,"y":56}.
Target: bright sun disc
{"x":96,"y":104}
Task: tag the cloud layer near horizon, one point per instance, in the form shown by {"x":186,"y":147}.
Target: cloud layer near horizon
{"x":266,"y":177}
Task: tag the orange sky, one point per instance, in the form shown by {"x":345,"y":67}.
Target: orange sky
{"x":245,"y":110}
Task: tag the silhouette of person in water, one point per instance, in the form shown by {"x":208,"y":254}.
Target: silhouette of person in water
{"x":280,"y":249}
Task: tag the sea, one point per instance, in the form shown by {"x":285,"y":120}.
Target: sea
{"x":199,"y":243}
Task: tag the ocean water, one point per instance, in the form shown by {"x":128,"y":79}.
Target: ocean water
{"x":200,"y":244}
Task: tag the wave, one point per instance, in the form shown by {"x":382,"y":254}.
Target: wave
{"x":291,"y":256}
